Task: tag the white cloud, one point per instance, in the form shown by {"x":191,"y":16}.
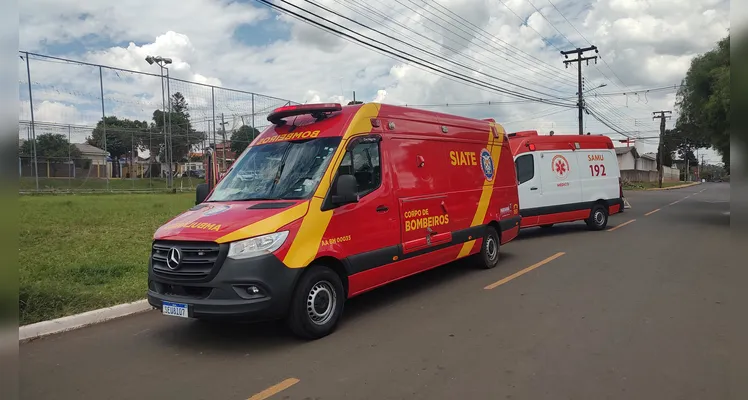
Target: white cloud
{"x":646,"y":43}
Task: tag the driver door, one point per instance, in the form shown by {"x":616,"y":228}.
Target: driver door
{"x":369,"y":228}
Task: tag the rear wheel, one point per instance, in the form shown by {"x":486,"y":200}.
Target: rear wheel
{"x":317,"y":303}
{"x":598,"y":219}
{"x":489,"y":252}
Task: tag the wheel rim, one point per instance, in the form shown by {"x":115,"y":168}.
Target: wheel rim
{"x":599,"y":217}
{"x":321,"y":302}
{"x":491,"y":249}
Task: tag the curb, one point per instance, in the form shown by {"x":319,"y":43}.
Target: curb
{"x":72,"y":322}
{"x":676,"y":187}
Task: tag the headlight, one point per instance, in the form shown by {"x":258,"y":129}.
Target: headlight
{"x":257,"y":246}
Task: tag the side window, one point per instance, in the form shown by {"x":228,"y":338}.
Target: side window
{"x":362,"y":162}
{"x":525,"y":168}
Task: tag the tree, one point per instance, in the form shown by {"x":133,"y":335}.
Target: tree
{"x":241,"y":138}
{"x":183,"y":135}
{"x":122,"y":137}
{"x":53,"y":148}
{"x":703,"y":100}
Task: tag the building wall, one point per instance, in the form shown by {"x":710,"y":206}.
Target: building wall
{"x":644,"y":164}
{"x":668,"y":175}
{"x":626,"y":161}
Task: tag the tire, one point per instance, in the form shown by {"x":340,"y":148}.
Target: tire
{"x":316,"y":320}
{"x":490,"y":249}
{"x":598,"y":219}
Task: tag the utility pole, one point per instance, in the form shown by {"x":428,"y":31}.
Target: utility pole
{"x":661,"y":146}
{"x":579,"y":52}
{"x":223,"y":147}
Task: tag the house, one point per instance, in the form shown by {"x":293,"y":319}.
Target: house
{"x":627,"y":157}
{"x":96,"y":155}
{"x":647,"y":162}
{"x":637,"y":167}
{"x":100,"y":166}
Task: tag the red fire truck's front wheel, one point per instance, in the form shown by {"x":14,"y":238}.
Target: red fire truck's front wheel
{"x":317,"y":303}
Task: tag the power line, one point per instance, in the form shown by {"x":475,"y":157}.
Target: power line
{"x":489,"y":38}
{"x":418,"y":48}
{"x":551,"y":24}
{"x":396,"y":53}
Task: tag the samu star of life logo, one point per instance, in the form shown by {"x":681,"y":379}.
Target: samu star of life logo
{"x":560,"y":166}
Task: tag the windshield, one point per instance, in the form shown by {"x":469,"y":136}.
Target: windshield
{"x":275,"y":171}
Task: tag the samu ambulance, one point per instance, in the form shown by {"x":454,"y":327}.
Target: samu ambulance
{"x":330,"y":202}
{"x":566,"y":178}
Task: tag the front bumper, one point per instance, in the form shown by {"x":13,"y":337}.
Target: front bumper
{"x":227,"y":293}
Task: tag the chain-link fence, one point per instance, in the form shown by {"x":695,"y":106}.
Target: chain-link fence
{"x":90,"y":127}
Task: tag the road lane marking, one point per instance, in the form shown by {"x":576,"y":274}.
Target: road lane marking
{"x":524,"y":271}
{"x":675,"y":202}
{"x":621,"y":225}
{"x":275,"y":389}
{"x":651,"y":212}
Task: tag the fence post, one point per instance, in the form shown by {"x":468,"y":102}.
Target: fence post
{"x":33,"y":124}
{"x":71,"y":164}
{"x":253,"y":115}
{"x":213,"y":99}
{"x":103,"y":120}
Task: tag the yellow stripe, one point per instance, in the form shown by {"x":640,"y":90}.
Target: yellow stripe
{"x":494,"y":146}
{"x":524,"y":271}
{"x":267,"y":225}
{"x":275,"y":389}
{"x":306,"y":245}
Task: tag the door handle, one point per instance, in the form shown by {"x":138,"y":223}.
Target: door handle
{"x":382,"y":209}
{"x":533,"y":188}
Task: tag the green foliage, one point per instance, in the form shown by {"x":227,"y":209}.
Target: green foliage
{"x":184,"y":136}
{"x":704,"y":101}
{"x":122,"y":135}
{"x":51,"y":147}
{"x":241,"y":138}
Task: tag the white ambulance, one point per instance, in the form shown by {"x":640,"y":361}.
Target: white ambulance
{"x":566,"y":178}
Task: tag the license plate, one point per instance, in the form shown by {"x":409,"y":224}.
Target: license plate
{"x":175,"y":309}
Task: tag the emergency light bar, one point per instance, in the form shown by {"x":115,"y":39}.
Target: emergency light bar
{"x":317,"y":110}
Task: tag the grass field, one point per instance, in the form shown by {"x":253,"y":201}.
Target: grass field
{"x":82,"y":252}
{"x":97,"y":184}
{"x":650,"y":185}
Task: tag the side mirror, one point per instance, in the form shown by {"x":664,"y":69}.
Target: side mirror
{"x":201,"y":193}
{"x":346,"y":190}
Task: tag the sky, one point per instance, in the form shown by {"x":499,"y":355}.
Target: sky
{"x":644,"y":50}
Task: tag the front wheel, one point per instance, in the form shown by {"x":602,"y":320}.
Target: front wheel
{"x":489,"y":252}
{"x":317,"y":303}
{"x":598,"y":219}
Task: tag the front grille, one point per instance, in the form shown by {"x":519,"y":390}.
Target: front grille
{"x":199,"y":260}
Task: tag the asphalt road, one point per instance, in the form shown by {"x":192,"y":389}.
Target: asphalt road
{"x":648,"y":310}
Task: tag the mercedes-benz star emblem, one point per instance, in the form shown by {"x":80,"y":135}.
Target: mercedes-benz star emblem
{"x":174,"y":258}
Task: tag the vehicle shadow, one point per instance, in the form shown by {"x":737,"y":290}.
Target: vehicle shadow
{"x":555,"y":230}
{"x":244,"y":338}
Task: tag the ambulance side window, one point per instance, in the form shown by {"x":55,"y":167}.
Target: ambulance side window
{"x":362,"y":162}
{"x":525,"y":168}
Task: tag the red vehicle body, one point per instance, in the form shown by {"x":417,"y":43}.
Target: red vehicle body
{"x":566,"y":178}
{"x":330,"y":202}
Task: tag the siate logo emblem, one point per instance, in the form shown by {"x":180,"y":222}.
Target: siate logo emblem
{"x":486,"y":164}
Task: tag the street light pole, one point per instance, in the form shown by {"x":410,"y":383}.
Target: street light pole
{"x":170,"y":148}
{"x":161,"y":61}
